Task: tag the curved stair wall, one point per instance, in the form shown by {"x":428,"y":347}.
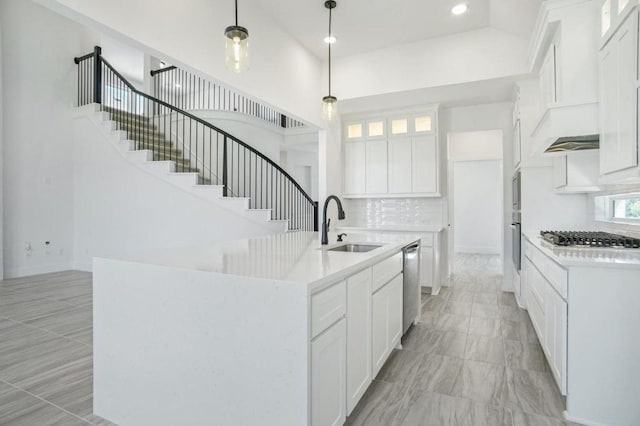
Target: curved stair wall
{"x":125,"y":202}
{"x":192,"y":147}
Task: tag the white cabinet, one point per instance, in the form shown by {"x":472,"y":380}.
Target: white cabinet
{"x":400,"y":174}
{"x":365,"y":167}
{"x":355,"y":168}
{"x":376,"y":167}
{"x":555,"y":342}
{"x":576,"y":172}
{"x":358,"y":337}
{"x":619,"y":104}
{"x":424,"y":164}
{"x":546,"y":284}
{"x":387,"y":322}
{"x":548,"y":78}
{"x":328,"y":376}
{"x":402,"y":160}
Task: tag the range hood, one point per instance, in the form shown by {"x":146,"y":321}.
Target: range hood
{"x":574,"y":143}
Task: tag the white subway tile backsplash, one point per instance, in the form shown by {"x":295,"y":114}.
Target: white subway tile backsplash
{"x":410,"y":212}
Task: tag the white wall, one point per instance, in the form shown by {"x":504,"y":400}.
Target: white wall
{"x":297,"y":163}
{"x":118,"y":208}
{"x":38,"y":47}
{"x":496,"y":116}
{"x":478,"y":209}
{"x":189,"y":34}
{"x":470,"y":56}
{"x":482,"y":145}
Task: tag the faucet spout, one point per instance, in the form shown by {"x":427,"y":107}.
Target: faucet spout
{"x":325,"y":223}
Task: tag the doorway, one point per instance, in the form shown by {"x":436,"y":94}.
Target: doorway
{"x":476,"y":194}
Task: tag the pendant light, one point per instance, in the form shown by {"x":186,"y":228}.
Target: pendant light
{"x":236,"y":46}
{"x":329,"y":103}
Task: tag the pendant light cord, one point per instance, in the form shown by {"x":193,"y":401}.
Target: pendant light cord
{"x":236,"y":13}
{"x":330,"y":9}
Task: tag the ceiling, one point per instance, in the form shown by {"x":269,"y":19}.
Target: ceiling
{"x":365,"y":25}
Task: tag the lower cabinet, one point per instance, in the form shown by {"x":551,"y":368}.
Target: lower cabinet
{"x":387,"y":321}
{"x":354,"y":328}
{"x":328,"y":376}
{"x":555,"y":333}
{"x":358,"y":337}
{"x":548,"y":313}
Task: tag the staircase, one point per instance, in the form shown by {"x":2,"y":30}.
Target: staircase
{"x":187,"y":148}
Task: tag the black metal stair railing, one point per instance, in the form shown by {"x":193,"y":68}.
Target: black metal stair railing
{"x":194,"y":145}
{"x":190,"y":92}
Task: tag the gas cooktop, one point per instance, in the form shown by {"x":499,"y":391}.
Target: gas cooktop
{"x":589,"y":239}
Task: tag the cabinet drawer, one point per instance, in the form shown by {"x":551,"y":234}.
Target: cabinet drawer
{"x":557,"y":276}
{"x":327,"y":307}
{"x":384,"y":271}
{"x":528,"y":250}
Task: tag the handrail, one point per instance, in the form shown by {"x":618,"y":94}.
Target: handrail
{"x":161,"y":70}
{"x":262,"y":180}
{"x":204,"y":123}
{"x":187,"y":90}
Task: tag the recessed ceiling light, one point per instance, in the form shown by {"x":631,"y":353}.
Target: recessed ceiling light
{"x":459,"y":9}
{"x":330,"y":39}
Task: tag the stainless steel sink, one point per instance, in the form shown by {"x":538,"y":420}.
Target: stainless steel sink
{"x":355,"y":248}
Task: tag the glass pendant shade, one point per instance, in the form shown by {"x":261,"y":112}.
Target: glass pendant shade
{"x":329,"y":108}
{"x":236,"y":44}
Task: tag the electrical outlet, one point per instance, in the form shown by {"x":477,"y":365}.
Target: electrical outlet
{"x":47,"y":248}
{"x":28,"y":249}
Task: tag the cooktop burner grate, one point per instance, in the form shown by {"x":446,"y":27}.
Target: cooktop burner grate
{"x":589,"y":239}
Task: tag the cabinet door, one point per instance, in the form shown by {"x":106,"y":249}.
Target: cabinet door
{"x":627,"y":40}
{"x":395,"y":293}
{"x":376,"y":167}
{"x":400,"y":165}
{"x":328,"y":376}
{"x":608,"y":105}
{"x":355,"y":168}
{"x":548,"y":79}
{"x":380,"y":348}
{"x":358,"y":337}
{"x":556,"y":336}
{"x":426,"y":266}
{"x":424,"y":164}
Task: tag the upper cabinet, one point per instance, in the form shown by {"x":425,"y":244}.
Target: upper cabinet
{"x":618,"y":63}
{"x":396,"y":155}
{"x":563,"y":53}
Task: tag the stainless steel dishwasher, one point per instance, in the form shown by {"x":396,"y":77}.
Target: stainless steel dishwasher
{"x":411,"y":285}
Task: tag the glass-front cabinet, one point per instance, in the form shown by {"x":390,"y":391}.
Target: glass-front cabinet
{"x":392,"y":154}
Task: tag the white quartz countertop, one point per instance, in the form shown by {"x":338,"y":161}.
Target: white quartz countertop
{"x":391,"y":228}
{"x":587,"y":256}
{"x":296,"y":257}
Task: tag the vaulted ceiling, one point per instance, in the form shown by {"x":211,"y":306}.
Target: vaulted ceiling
{"x":366,"y":25}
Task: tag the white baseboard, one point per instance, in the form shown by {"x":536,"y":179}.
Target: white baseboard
{"x":25,"y":271}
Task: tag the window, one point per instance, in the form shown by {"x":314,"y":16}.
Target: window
{"x":399,"y":126}
{"x":423,"y":124}
{"x":605,"y":17}
{"x":354,"y":131}
{"x":376,"y":128}
{"x":626,"y":208}
{"x":618,"y":208}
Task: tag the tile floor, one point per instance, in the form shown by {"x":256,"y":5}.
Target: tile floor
{"x":46,"y":366}
{"x":474,"y":360}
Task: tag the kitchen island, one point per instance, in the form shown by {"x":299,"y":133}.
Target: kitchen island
{"x":273,"y":330}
